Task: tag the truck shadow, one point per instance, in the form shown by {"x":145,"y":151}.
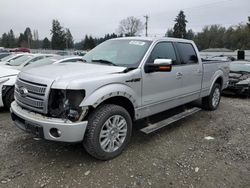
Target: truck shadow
{"x":236,"y":96}
{"x":2,"y":110}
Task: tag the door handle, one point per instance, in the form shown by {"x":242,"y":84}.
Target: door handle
{"x":179,"y":75}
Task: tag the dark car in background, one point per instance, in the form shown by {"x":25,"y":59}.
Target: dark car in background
{"x":20,"y":50}
{"x":239,"y":78}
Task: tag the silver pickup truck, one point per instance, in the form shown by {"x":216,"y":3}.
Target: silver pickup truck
{"x":122,"y":80}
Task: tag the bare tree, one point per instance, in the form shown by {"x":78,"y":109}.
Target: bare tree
{"x":130,"y":26}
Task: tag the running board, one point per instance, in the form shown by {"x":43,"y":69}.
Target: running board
{"x":155,"y":126}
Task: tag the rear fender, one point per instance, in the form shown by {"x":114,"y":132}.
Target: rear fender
{"x":218,"y":74}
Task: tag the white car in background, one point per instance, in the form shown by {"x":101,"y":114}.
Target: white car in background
{"x":7,"y":82}
{"x":25,"y":60}
{"x":8,"y":76}
{"x":55,"y":60}
{"x":12,"y":56}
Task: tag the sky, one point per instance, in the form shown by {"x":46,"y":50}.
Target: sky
{"x":98,"y":17}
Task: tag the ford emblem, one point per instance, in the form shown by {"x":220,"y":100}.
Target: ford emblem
{"x":23,"y":92}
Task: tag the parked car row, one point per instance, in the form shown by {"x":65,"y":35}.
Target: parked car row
{"x":11,"y":65}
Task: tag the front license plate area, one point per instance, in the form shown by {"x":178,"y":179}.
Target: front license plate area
{"x":34,"y":129}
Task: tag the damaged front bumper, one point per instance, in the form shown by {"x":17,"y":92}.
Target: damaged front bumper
{"x":54,"y":129}
{"x":238,"y":89}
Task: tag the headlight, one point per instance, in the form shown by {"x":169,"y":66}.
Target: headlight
{"x":2,"y":80}
{"x":65,"y":104}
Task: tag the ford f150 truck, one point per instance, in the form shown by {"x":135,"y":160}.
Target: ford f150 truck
{"x":121,"y":81}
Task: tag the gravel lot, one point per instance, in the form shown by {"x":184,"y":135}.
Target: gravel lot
{"x":176,"y":156}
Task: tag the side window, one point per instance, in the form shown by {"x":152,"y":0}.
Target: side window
{"x":187,"y":52}
{"x":163,"y":50}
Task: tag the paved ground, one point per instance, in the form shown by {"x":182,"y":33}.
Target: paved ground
{"x":176,"y":156}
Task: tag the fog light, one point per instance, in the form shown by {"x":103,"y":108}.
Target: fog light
{"x":55,"y":132}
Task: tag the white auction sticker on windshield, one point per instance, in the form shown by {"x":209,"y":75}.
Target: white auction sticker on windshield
{"x":139,"y":43}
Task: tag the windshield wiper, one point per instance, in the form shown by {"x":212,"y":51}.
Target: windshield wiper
{"x":104,"y":61}
{"x":129,"y":69}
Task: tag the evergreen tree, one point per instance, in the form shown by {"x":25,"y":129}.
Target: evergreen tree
{"x":21,"y":40}
{"x":85,"y":43}
{"x":190,"y":34}
{"x":27,"y":37}
{"x":46,"y":43}
{"x":180,"y":26}
{"x":11,"y":39}
{"x":5,"y":40}
{"x":69,"y":39}
{"x":58,"y":41}
{"x":89,"y":43}
{"x":170,"y":33}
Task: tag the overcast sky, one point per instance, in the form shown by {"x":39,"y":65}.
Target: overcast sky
{"x":98,"y":17}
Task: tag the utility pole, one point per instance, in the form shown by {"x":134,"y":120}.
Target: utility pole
{"x":146,"y":24}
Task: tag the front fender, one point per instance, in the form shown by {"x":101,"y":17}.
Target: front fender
{"x":109,"y":91}
{"x":11,"y":81}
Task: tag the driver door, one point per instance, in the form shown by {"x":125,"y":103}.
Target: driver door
{"x":161,"y":90}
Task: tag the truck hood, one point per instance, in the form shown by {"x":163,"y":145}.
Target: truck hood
{"x":4,"y":72}
{"x":64,"y":73}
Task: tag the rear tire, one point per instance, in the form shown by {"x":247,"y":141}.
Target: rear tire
{"x":108,"y":132}
{"x":212,"y":101}
{"x":8,"y":98}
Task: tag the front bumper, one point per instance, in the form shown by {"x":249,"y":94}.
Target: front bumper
{"x":42,"y":126}
{"x":239,"y":89}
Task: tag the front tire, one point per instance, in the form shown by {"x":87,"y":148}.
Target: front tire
{"x":108,"y":132}
{"x":212,"y":101}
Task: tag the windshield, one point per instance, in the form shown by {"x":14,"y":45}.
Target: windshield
{"x":41,"y":62}
{"x":20,"y":60}
{"x":128,"y":53}
{"x":236,"y":67}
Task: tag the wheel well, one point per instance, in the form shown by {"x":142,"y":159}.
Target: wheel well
{"x":123,"y":102}
{"x":219,"y":81}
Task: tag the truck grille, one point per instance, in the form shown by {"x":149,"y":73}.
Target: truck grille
{"x":31,"y":95}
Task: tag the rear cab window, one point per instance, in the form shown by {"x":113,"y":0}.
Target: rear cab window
{"x":187,"y":53}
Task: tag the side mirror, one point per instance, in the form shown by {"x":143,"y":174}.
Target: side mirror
{"x":159,"y":65}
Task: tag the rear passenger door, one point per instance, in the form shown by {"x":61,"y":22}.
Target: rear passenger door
{"x":191,"y":71}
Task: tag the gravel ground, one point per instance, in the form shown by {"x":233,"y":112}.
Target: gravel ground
{"x":175,"y":156}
